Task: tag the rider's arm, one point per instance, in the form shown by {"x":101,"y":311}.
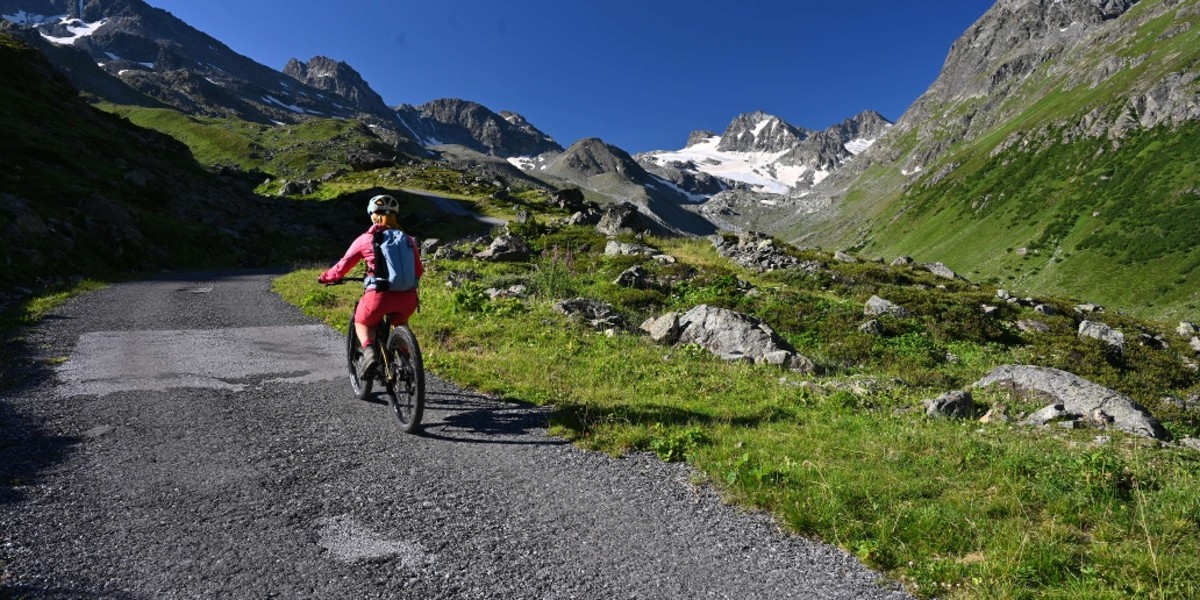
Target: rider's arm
{"x":357,"y":251}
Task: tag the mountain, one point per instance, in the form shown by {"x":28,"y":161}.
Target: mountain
{"x":163,"y":58}
{"x":760,"y":152}
{"x":84,"y":192}
{"x":1055,"y":151}
{"x":450,"y":121}
{"x":608,"y":170}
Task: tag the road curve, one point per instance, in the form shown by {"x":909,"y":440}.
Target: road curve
{"x":195,"y":437}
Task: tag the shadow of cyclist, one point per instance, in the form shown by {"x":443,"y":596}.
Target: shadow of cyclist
{"x":476,"y":419}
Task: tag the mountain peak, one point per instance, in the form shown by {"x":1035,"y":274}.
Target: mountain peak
{"x":339,"y":78}
{"x":760,"y":132}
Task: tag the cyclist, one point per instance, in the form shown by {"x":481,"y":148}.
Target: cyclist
{"x":398,"y":305}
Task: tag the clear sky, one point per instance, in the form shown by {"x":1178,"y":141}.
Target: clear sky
{"x":640,"y":74}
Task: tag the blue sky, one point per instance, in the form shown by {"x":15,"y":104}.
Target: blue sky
{"x":640,"y":74}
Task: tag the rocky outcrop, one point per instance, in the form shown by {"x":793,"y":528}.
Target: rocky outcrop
{"x":759,"y":252}
{"x":337,"y":77}
{"x":470,"y":124}
{"x":1099,"y":331}
{"x":760,"y":132}
{"x":505,"y":248}
{"x":1075,"y":399}
{"x":728,"y":334}
{"x":596,"y":314}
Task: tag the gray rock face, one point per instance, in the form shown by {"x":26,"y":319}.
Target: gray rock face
{"x":941,"y":270}
{"x":760,"y":132}
{"x":470,"y":124}
{"x":1075,"y":396}
{"x":506,"y":248}
{"x":597,"y":314}
{"x":957,"y":404}
{"x":1096,"y":330}
{"x":620,"y":218}
{"x":634,"y":277}
{"x":729,"y":335}
{"x":876,"y":306}
{"x":337,"y":78}
{"x":617,"y":248}
{"x":758,"y":252}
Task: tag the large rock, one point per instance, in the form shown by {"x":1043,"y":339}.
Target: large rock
{"x":1096,"y":330}
{"x":506,"y":248}
{"x":599,"y":315}
{"x":760,"y":253}
{"x":1074,"y":396}
{"x":735,"y":336}
{"x":876,"y":306}
{"x":620,"y":218}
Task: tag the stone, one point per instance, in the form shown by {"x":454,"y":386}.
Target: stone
{"x":1031,"y":326}
{"x":599,"y":315}
{"x":634,"y":277}
{"x":619,"y":218}
{"x":1186,"y":329}
{"x":1096,"y":330}
{"x":664,"y":329}
{"x":734,"y":336}
{"x":903,"y":261}
{"x":1075,"y":396}
{"x":615,"y":248}
{"x":841,"y":256}
{"x":872,"y":327}
{"x":876,"y":306}
{"x":957,"y":404}
{"x":505,"y":248}
{"x":941,"y":270}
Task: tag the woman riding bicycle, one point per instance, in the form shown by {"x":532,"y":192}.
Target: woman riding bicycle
{"x":374,"y":304}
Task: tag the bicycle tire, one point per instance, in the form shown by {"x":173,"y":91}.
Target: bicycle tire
{"x":406,"y":382}
{"x":361,"y":386}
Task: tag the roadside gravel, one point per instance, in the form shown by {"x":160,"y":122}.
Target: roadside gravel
{"x":277,"y":484}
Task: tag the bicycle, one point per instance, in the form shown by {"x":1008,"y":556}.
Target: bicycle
{"x":399,"y":368}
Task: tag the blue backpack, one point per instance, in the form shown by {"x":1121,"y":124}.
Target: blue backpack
{"x":395,"y":262}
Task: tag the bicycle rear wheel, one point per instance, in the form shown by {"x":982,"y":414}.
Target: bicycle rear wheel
{"x":360,"y":385}
{"x":406,"y":379}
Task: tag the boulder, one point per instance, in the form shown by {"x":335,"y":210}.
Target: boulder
{"x":598,"y":315}
{"x":619,"y":218}
{"x":634,"y":277}
{"x":1186,"y":329}
{"x":1096,"y":330}
{"x":1076,"y":396}
{"x":941,"y":270}
{"x":505,"y":248}
{"x":871,"y":327}
{"x":615,"y":248}
{"x":759,"y":252}
{"x":664,"y":329}
{"x":876,"y":306}
{"x":957,"y":404}
{"x":1031,"y":326}
{"x":737,"y":337}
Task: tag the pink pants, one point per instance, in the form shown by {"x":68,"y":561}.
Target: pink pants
{"x":374,"y":305}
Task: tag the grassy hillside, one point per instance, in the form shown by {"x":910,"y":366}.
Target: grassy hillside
{"x":84,"y":193}
{"x":950,"y":508}
{"x":1043,"y":200}
{"x":314,"y":149}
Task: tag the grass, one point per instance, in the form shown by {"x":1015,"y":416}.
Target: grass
{"x":949,"y":508}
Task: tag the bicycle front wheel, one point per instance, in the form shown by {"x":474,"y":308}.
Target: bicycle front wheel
{"x":406,"y":379}
{"x":360,"y":385}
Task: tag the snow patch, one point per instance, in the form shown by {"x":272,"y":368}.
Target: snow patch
{"x":77,"y":28}
{"x":292,"y":107}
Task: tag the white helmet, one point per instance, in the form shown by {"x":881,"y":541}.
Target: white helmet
{"x":383,"y":203}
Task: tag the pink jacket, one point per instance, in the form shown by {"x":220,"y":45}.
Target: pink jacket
{"x":361,"y":249}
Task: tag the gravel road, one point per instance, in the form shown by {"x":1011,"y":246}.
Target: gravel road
{"x":195,"y":437}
